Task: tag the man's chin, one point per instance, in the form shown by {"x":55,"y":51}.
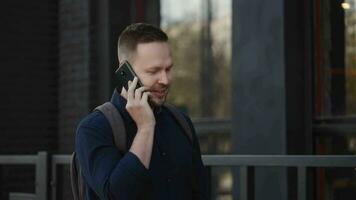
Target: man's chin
{"x":155,"y":102}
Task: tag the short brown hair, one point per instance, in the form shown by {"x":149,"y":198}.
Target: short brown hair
{"x":135,"y":34}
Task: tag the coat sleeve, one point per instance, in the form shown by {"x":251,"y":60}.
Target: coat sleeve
{"x":109,"y":173}
{"x":200,"y":173}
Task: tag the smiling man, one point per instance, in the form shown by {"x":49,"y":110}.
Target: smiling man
{"x":161,"y":162}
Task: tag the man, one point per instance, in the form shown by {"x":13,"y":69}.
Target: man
{"x":161,"y":163}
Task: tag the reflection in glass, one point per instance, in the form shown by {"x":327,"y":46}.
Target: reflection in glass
{"x":335,"y":58}
{"x":200,"y":35}
{"x":350,"y":56}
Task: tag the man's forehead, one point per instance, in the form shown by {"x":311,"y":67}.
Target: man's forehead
{"x":154,"y":54}
{"x":158,"y":63}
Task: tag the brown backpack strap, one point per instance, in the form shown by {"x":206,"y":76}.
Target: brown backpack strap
{"x":77,"y":181}
{"x":182,"y":121}
{"x":116,"y":123}
{"x":74,"y":177}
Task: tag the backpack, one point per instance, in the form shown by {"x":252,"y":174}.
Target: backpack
{"x":117,"y":125}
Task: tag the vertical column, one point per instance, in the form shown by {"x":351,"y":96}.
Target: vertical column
{"x":259,"y":90}
{"x":153,"y":12}
{"x":337,"y":58}
{"x":272,"y":97}
{"x":208,"y":68}
{"x":74,"y":69}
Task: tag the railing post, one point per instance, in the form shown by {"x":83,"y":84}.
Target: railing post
{"x":209,"y":180}
{"x":302,"y":181}
{"x":41,"y":176}
{"x":243,"y":183}
{"x":54,"y":178}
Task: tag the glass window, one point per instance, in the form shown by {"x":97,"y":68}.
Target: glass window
{"x":335,"y":51}
{"x":335,"y":94}
{"x":350,"y":56}
{"x":200,"y":35}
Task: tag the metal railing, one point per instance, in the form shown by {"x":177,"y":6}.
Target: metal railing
{"x":322,"y":126}
{"x":300,"y":162}
{"x":55,"y":161}
{"x":243,"y":162}
{"x":40,"y":161}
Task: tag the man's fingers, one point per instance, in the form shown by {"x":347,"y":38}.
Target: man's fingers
{"x":145,"y":96}
{"x":134,"y":83}
{"x":138,"y":92}
{"x":124,"y":92}
{"x":130,"y":91}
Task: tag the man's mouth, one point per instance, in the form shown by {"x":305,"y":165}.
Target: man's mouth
{"x":159,"y":93}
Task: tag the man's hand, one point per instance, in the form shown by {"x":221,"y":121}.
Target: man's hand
{"x":142,"y":114}
{"x":137,"y":105}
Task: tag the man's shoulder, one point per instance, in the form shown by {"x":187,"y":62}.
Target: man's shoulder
{"x":94,"y":120}
{"x":185,"y":116}
{"x":169,"y":109}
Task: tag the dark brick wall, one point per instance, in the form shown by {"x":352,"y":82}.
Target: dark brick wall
{"x":49,"y":58}
{"x":74,"y":54}
{"x":28,"y":76}
{"x":28,"y":86}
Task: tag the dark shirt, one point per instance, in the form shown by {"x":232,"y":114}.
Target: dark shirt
{"x":176,"y":170}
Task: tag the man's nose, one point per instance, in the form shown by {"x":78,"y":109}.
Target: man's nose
{"x":164,"y":78}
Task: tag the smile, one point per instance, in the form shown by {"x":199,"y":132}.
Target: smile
{"x":160,"y":93}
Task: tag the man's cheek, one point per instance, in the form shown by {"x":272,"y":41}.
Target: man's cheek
{"x":146,"y":82}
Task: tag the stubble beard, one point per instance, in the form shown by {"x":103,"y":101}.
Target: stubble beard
{"x":157,"y":102}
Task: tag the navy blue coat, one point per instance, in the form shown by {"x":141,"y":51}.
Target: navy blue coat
{"x":112,"y":174}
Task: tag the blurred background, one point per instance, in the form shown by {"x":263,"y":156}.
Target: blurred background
{"x":258,"y":77}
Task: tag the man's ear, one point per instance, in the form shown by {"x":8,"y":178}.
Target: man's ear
{"x":120,"y":61}
{"x":122,"y":57}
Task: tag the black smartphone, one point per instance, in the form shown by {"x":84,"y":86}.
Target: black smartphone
{"x":124,"y":74}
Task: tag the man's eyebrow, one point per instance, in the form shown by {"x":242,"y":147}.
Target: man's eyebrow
{"x":169,"y":66}
{"x":159,"y":67}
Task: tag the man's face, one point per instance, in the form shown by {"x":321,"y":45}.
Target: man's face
{"x":152,"y":63}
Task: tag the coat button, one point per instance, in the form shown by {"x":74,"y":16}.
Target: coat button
{"x":164,"y":154}
{"x":169,"y":179}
